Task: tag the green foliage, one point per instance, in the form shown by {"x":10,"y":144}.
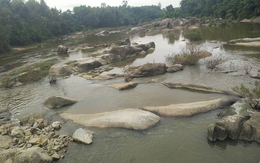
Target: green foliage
{"x":251,"y":94}
{"x":26,"y":22}
{"x":229,"y":9}
{"x":192,"y":35}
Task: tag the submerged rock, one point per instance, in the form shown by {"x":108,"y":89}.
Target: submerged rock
{"x":124,"y":86}
{"x":197,"y":87}
{"x":189,"y":109}
{"x":246,"y":42}
{"x":83,"y":136}
{"x":57,"y":102}
{"x":135,"y":119}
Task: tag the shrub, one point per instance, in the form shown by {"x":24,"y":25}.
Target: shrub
{"x":189,"y":55}
{"x":214,"y":63}
{"x":193,"y":35}
{"x":251,"y":94}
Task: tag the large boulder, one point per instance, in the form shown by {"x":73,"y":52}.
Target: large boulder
{"x":31,"y":155}
{"x":60,"y":70}
{"x":87,"y":64}
{"x":148,"y":69}
{"x":176,"y":23}
{"x":135,"y":119}
{"x":57,"y":102}
{"x":189,"y":109}
{"x":250,"y":130}
{"x":166,"y":23}
{"x":119,"y":53}
{"x":62,"y":49}
{"x":227,"y":127}
{"x":191,"y":22}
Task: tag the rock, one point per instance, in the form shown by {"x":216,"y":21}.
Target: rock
{"x":87,"y":64}
{"x":246,"y":42}
{"x":189,"y":109}
{"x":191,"y":22}
{"x":229,"y":126}
{"x":5,"y":117}
{"x":204,"y":54}
{"x":62,"y":49}
{"x":60,"y":70}
{"x":120,"y":43}
{"x":5,"y":141}
{"x":56,"y":125}
{"x":32,"y":155}
{"x":124,"y":86}
{"x":176,"y":23}
{"x":250,"y":130}
{"x":34,"y":141}
{"x":55,"y":156}
{"x":149,"y":69}
{"x":83,"y":136}
{"x":128,"y":118}
{"x":174,"y":68}
{"x":196,"y":87}
{"x":17,"y":132}
{"x":7,"y":154}
{"x":57,"y":102}
{"x":166,"y":23}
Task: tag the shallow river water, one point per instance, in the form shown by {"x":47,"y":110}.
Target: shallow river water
{"x":178,"y":140}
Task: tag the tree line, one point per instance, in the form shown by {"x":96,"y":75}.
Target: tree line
{"x":26,"y":22}
{"x":227,"y":9}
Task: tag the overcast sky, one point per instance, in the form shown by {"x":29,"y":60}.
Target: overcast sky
{"x":69,"y":4}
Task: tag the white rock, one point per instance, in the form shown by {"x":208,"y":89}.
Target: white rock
{"x":83,"y":136}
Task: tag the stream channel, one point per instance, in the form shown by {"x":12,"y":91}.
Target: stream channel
{"x":178,"y":140}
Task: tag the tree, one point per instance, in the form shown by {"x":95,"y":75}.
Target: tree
{"x":160,"y":5}
{"x":103,"y":5}
{"x":125,"y":3}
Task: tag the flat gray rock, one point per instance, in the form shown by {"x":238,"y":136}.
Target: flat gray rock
{"x":83,"y":136}
{"x":57,"y":102}
{"x":135,"y":119}
{"x":124,"y":86}
{"x":189,"y":109}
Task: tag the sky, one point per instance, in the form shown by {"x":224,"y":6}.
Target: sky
{"x":69,"y":4}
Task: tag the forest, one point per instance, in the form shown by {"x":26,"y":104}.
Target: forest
{"x":227,"y":9}
{"x":23,"y":23}
{"x":26,"y":22}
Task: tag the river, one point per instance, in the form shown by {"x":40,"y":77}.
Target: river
{"x":173,"y":139}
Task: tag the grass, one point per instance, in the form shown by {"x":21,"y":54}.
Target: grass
{"x":71,"y":63}
{"x":189,"y":55}
{"x":193,"y":35}
{"x":251,"y":94}
{"x":29,"y":74}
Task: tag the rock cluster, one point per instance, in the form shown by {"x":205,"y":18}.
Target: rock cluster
{"x":236,"y":127}
{"x":36,"y":134}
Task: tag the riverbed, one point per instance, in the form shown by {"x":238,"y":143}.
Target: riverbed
{"x":173,"y":139}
